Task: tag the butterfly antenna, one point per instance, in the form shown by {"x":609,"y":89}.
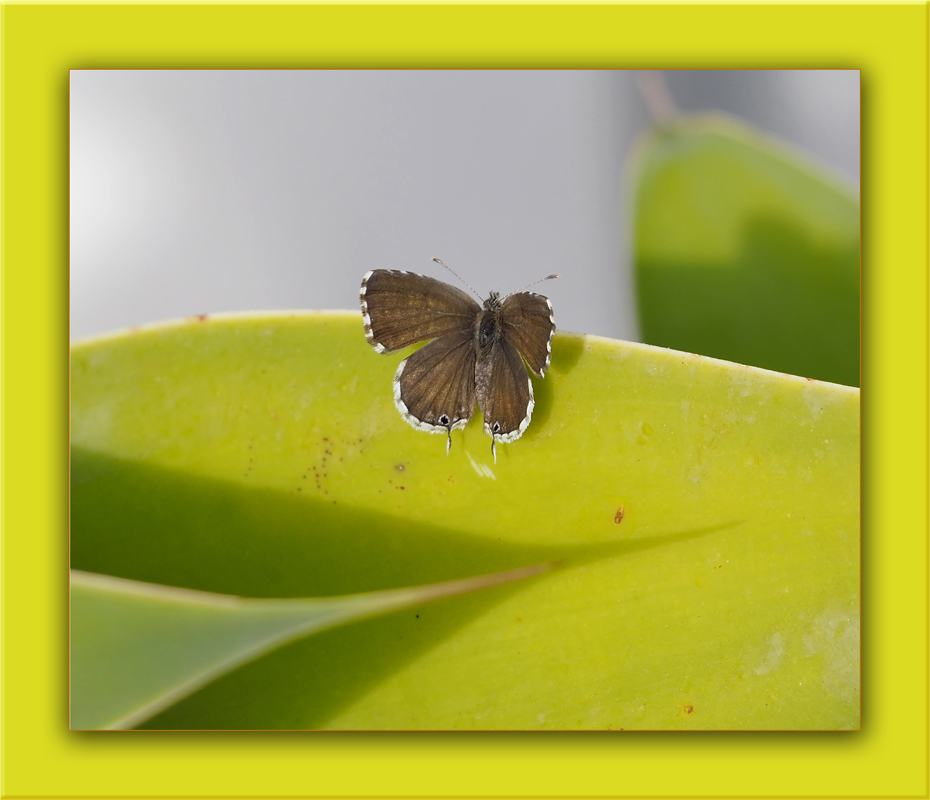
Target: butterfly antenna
{"x":547,"y":278}
{"x":439,"y":261}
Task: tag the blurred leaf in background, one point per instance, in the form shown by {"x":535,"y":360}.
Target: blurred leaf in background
{"x":745,"y":251}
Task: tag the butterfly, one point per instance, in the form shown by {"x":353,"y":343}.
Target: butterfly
{"x":474,"y":354}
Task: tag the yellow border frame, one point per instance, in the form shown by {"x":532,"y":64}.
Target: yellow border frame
{"x":889,"y":43}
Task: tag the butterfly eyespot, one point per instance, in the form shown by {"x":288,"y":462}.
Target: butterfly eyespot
{"x":443,"y":419}
{"x":496,"y":428}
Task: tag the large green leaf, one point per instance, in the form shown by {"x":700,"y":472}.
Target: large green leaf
{"x":745,"y":251}
{"x":706,"y":514}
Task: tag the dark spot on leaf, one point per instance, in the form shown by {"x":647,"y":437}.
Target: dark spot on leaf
{"x":618,"y":517}
{"x":689,"y":709}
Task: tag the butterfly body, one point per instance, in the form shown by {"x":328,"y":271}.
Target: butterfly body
{"x":474,"y":355}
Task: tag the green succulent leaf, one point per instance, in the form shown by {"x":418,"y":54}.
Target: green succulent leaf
{"x":746,"y":251}
{"x":137,"y":648}
{"x":706,"y":515}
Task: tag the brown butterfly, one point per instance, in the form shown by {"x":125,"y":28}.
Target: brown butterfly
{"x":474,"y":354}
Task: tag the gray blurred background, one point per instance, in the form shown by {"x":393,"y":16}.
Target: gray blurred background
{"x":210,"y":191}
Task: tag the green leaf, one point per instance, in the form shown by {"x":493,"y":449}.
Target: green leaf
{"x":745,"y":251}
{"x":707,"y":515}
{"x":137,"y":648}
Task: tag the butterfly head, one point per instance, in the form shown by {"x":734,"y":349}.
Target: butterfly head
{"x":493,"y":303}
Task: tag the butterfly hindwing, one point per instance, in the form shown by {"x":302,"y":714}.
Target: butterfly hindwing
{"x":504,"y":391}
{"x":434,"y":388}
{"x":402,"y":308}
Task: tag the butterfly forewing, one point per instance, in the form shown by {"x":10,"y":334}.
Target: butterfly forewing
{"x":529,"y":324}
{"x":505,"y":394}
{"x":401,"y":308}
{"x":434,"y":389}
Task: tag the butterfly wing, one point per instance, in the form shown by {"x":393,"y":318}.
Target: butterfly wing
{"x":434,"y":388}
{"x":401,"y":308}
{"x":504,"y":390}
{"x":528,"y":323}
